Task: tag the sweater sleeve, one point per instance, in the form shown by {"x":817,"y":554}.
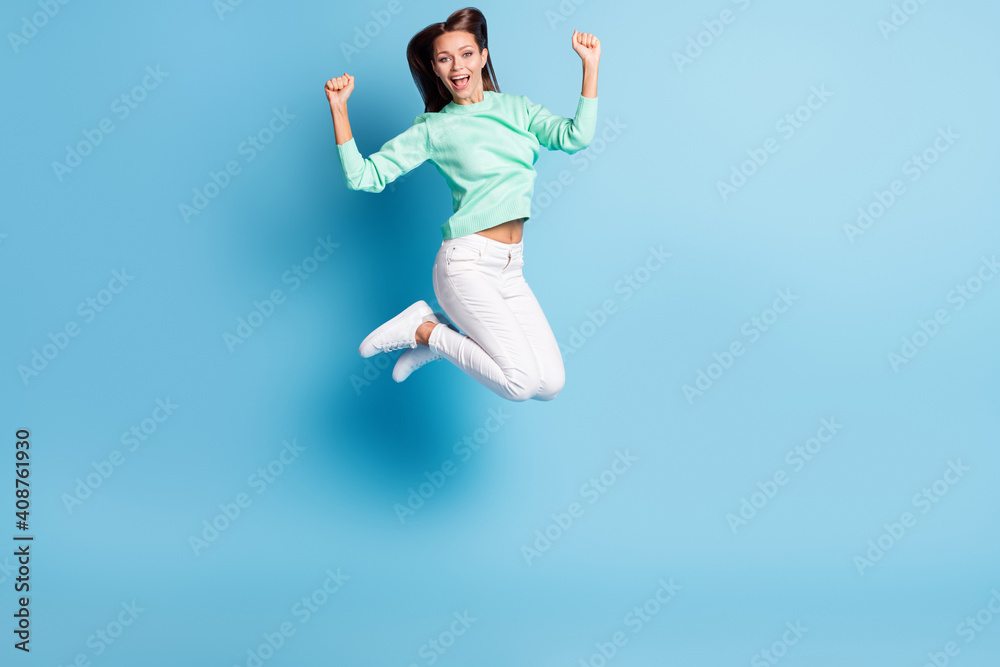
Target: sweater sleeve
{"x":397,"y":156}
{"x":566,"y":134}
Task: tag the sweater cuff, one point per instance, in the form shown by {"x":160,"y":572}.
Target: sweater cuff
{"x":586,"y":116}
{"x":351,"y":160}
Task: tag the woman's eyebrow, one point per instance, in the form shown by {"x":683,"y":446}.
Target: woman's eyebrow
{"x":467,"y":46}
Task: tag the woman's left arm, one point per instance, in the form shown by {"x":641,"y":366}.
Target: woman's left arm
{"x":570,"y":134}
{"x":588,"y":48}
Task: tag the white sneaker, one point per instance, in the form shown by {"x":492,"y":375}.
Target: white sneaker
{"x":398,"y":332}
{"x":414,"y":358}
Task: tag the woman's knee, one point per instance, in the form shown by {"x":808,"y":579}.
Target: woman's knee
{"x":519,"y":394}
{"x":522,"y":383}
{"x":551,"y":384}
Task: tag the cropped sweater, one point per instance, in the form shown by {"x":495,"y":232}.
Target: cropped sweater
{"x":485,"y":150}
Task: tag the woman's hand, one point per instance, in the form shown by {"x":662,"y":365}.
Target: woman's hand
{"x":587,"y":47}
{"x":339,"y":88}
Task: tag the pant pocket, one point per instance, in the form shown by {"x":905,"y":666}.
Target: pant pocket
{"x":462,"y":253}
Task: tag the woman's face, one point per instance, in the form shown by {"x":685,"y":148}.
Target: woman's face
{"x":459,"y":64}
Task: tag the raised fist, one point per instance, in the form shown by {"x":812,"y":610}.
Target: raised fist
{"x":339,"y":88}
{"x":587,"y":47}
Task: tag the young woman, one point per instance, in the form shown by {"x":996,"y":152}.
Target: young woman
{"x":485,"y":144}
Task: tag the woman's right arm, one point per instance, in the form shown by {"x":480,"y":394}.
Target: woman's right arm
{"x":396,"y":157}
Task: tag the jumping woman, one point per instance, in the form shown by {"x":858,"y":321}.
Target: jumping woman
{"x":485,"y":143}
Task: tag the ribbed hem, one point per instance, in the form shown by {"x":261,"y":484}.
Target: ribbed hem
{"x":462,"y":225}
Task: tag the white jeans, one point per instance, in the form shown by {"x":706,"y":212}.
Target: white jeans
{"x":507,"y":344}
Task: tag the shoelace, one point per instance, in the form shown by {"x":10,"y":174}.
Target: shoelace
{"x":429,"y":360}
{"x":396,"y":344}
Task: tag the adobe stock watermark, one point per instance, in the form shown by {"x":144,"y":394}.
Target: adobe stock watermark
{"x":224,"y":7}
{"x":562,"y":12}
{"x":635,"y":620}
{"x":295,"y":275}
{"x":899,"y":17}
{"x":752,"y":329}
{"x":258,"y":481}
{"x":30,"y":25}
{"x":88,"y":309}
{"x":787,"y":126}
{"x":627,"y":285}
{"x":714,"y":27}
{"x":592,"y":490}
{"x":435,"y":647}
{"x":927,"y":329}
{"x":105,"y":468}
{"x":303,"y":610}
{"x":122,"y":106}
{"x":105,"y":636}
{"x":773,"y":654}
{"x":549,"y":190}
{"x":914,"y":167}
{"x":248,"y":149}
{"x":923,"y":500}
{"x":364,"y":34}
{"x":968,"y":630}
{"x":464,"y":449}
{"x":7,"y":569}
{"x":796,"y":458}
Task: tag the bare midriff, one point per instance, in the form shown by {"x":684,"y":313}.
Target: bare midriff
{"x":506,"y":232}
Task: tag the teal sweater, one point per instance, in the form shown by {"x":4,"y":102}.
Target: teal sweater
{"x":486,"y":151}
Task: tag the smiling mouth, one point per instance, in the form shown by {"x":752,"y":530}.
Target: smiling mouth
{"x":461,"y":82}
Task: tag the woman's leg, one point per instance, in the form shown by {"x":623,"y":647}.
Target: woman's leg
{"x":476,"y":283}
{"x":528,"y":312}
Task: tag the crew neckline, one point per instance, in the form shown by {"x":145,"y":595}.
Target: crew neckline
{"x":453,"y":107}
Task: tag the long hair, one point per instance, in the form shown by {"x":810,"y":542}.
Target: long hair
{"x":419,"y":55}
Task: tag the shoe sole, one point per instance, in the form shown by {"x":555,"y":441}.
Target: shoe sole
{"x":395,"y":374}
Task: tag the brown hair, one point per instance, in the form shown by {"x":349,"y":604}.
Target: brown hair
{"x":419,"y":55}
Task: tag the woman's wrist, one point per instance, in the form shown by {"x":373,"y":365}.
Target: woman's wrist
{"x":341,"y":126}
{"x":589,"y":88}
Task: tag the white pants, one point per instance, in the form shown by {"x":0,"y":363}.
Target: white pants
{"x":507,"y":344}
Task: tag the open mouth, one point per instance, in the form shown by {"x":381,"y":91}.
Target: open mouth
{"x":461,"y":82}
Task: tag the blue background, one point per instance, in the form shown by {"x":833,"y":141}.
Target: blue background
{"x":667,"y":134}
